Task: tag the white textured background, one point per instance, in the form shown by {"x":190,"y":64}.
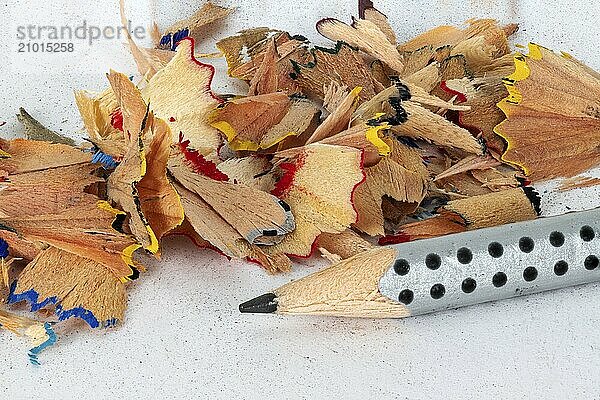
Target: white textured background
{"x":183,"y":336}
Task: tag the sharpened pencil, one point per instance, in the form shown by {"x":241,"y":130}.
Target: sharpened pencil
{"x":342,"y":289}
{"x":448,"y":272}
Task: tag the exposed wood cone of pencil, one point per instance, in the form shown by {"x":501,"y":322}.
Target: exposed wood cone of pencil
{"x":348,"y":288}
{"x":411,"y":167}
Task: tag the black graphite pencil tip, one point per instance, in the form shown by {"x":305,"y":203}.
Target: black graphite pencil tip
{"x":265,"y":304}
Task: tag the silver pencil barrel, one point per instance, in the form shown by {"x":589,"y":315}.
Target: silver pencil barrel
{"x":495,"y":263}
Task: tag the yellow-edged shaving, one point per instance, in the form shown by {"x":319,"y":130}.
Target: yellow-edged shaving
{"x":373,"y":135}
{"x":515,"y":97}
{"x":226,"y":129}
{"x":534,"y":51}
{"x":127,"y":253}
{"x":244,"y":145}
{"x":105,"y":205}
{"x":278,"y":140}
{"x":142,"y":162}
{"x":356,"y":91}
{"x":566,"y":55}
{"x":127,"y":256}
{"x":154,"y":245}
{"x":551,"y":125}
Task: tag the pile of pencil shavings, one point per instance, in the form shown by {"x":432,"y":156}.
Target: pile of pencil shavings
{"x":330,"y":149}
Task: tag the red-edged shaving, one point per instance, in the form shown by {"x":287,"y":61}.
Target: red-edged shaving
{"x":198,"y":163}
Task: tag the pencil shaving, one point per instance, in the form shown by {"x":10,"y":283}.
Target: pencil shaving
{"x":342,"y":65}
{"x":555,"y":95}
{"x":318,"y":185}
{"x":401,"y":176}
{"x":74,"y":286}
{"x":192,"y":26}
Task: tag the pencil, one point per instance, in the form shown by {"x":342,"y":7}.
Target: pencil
{"x":448,"y":272}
